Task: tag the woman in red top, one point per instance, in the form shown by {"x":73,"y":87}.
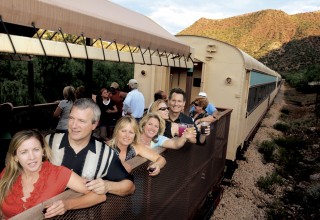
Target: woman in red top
{"x":30,"y":179}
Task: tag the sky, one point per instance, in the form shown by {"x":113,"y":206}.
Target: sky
{"x":176,"y":15}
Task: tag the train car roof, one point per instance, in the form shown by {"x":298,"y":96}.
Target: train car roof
{"x":253,"y":64}
{"x":249,"y":62}
{"x":95,"y":19}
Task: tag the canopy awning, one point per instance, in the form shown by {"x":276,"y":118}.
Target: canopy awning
{"x":95,"y":19}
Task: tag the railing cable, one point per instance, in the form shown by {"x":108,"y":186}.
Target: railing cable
{"x":34,"y":27}
{"x":104,"y":56}
{"x":115,"y":42}
{"x":85,"y":45}
{"x":142,"y":54}
{"x":65,"y":41}
{"x":130,"y":52}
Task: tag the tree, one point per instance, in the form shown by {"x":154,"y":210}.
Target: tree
{"x":52,"y":74}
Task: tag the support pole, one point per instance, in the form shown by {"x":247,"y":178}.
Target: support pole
{"x":188,"y":88}
{"x":31,"y":82}
{"x":89,"y":73}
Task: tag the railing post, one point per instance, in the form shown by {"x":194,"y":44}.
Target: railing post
{"x":188,"y":88}
{"x":89,"y":72}
{"x":31,"y":82}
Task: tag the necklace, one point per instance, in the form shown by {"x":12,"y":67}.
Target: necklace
{"x":145,"y":142}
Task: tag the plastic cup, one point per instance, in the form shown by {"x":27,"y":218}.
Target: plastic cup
{"x":190,"y":125}
{"x":190,"y":128}
{"x":182,"y":128}
{"x":203,"y":127}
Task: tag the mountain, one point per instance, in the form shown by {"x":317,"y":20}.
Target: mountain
{"x":283,"y":42}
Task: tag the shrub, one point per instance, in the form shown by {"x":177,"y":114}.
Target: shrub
{"x":312,"y":197}
{"x":290,"y":158}
{"x":306,"y":197}
{"x":300,"y":125}
{"x":268,"y":182}
{"x":281,"y":127}
{"x":266,"y":149}
{"x":276,"y":211}
{"x":285,"y":111}
{"x":291,"y":143}
{"x":283,"y":117}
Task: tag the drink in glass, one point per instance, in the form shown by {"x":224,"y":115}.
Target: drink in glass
{"x":182,"y":128}
{"x":203,"y":127}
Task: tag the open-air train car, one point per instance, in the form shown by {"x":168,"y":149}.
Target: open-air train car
{"x":231,"y":78}
{"x":189,"y":185}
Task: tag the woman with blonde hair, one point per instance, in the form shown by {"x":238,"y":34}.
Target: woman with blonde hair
{"x":151,"y":129}
{"x":63,"y":109}
{"x":30,"y":179}
{"x":125,"y":143}
{"x":171,"y":129}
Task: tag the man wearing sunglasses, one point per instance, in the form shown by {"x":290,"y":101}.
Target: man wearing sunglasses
{"x":210,"y":109}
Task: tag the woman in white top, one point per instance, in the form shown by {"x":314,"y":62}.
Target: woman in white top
{"x":151,"y":129}
{"x":63,"y":109}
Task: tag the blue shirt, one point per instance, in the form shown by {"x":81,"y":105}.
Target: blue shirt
{"x":210,"y":109}
{"x":161,"y":140}
{"x":134,"y":103}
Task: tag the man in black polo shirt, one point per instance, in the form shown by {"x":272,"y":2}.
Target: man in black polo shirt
{"x":88,"y":157}
{"x":176,"y":103}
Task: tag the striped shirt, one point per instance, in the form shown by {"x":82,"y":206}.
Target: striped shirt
{"x":96,"y":160}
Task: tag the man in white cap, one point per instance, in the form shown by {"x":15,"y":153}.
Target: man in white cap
{"x":134,"y":101}
{"x":211,"y":110}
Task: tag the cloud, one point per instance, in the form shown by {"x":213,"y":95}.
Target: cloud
{"x":174,"y":18}
{"x":301,"y":6}
{"x":176,"y":15}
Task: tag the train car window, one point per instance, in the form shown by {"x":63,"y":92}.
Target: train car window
{"x":261,"y":86}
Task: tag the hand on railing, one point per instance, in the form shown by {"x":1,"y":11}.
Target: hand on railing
{"x":153,"y":169}
{"x":98,"y":186}
{"x":56,"y":208}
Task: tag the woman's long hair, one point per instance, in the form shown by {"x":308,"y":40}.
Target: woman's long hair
{"x":146,"y":118}
{"x":69,"y":93}
{"x":121,"y":123}
{"x":155,"y":106}
{"x":13,"y":168}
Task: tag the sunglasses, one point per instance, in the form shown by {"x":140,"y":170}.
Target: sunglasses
{"x":196,"y":104}
{"x":163,"y":108}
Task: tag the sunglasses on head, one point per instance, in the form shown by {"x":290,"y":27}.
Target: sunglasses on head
{"x":196,"y":104}
{"x":163,"y":108}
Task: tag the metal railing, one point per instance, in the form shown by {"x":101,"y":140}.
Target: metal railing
{"x":178,"y":192}
{"x":39,"y":116}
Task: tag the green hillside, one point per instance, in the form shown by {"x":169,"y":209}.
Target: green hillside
{"x":284,"y":42}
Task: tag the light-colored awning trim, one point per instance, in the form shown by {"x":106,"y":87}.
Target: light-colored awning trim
{"x":31,"y":46}
{"x":101,"y":20}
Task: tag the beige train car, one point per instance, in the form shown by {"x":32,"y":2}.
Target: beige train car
{"x":231,"y":78}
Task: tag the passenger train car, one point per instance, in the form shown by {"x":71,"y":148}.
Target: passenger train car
{"x":231,"y":78}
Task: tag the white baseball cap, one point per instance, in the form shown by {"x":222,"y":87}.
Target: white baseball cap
{"x":203,"y":94}
{"x":132,"y":81}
